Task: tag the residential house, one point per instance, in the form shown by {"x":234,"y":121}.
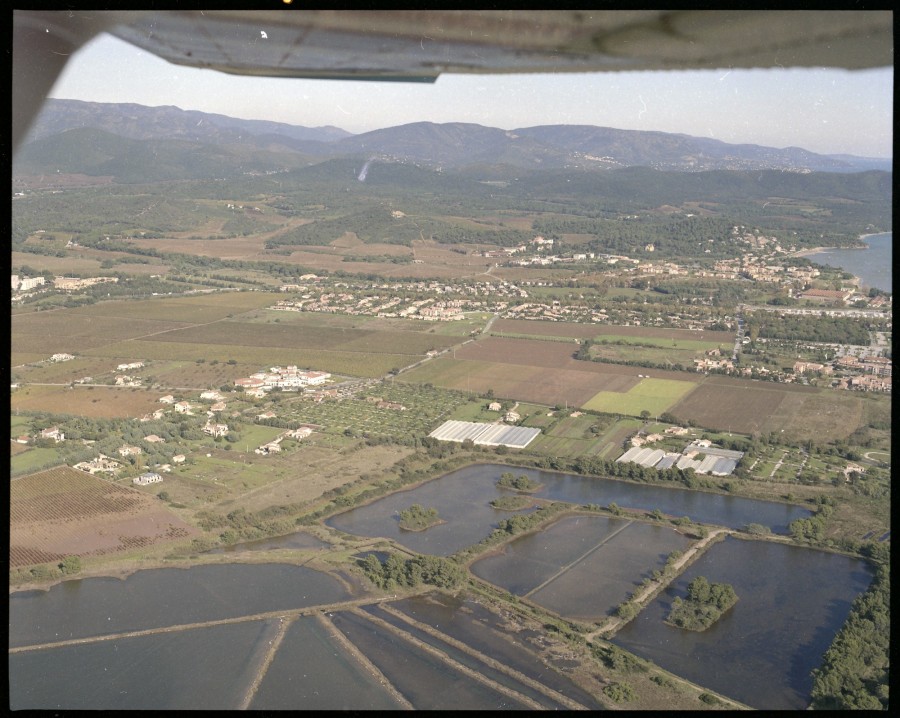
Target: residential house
{"x":215,"y":430}
{"x":53,"y":433}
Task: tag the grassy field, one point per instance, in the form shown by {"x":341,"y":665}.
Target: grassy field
{"x":31,"y":459}
{"x":653,"y":395}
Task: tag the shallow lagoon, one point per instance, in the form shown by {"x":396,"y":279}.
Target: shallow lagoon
{"x":463,"y":498}
{"x":791,"y":603}
{"x":581,"y":567}
{"x":164,"y":597}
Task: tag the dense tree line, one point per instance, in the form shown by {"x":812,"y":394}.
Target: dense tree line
{"x":836,"y":330}
{"x":855,"y":669}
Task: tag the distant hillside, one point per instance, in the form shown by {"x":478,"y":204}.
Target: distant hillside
{"x":100,"y":153}
{"x":138,"y":122}
{"x":456,"y":145}
{"x":448,"y":146}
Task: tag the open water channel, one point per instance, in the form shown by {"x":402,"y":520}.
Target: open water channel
{"x":243,"y":635}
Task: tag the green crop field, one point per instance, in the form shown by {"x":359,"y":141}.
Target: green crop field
{"x":653,"y":395}
{"x":34,"y":459}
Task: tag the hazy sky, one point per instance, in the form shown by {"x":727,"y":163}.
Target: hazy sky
{"x":822,"y":110}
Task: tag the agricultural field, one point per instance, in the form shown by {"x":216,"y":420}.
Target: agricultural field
{"x":652,"y":395}
{"x":243,"y":248}
{"x":675,"y":352}
{"x":747,"y":407}
{"x":65,"y":512}
{"x":99,"y":401}
{"x":532,"y":370}
{"x":70,"y":331}
{"x":732,"y":405}
{"x":576,"y":434}
{"x":510,"y":381}
{"x":344,"y":363}
{"x":68,"y":371}
{"x":198,"y":374}
{"x":293,"y":336}
{"x":194,"y":309}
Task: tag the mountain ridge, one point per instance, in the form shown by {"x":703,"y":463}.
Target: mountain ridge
{"x":451,"y":145}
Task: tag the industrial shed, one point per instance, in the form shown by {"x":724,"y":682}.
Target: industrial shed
{"x":515,"y":437}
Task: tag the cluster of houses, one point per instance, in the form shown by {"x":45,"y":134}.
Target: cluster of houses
{"x":274,"y":446}
{"x":400,"y":299}
{"x":64,"y":284}
{"x":25,"y":284}
{"x":870,"y":373}
{"x":288,"y":378}
{"x":714,"y":361}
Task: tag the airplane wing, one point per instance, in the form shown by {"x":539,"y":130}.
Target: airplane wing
{"x":418,"y":45}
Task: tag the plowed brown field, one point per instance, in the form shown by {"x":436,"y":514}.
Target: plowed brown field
{"x":65,"y":512}
{"x":544,"y":372}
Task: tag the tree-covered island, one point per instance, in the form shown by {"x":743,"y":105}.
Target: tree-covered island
{"x":704,"y":605}
{"x":518,"y":483}
{"x":417,"y":518}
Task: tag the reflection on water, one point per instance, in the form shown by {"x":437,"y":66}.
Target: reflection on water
{"x":312,"y":672}
{"x":425,"y":681}
{"x":297,"y":540}
{"x":484,"y":631}
{"x":164,"y":597}
{"x":791,"y":602}
{"x":205,"y":668}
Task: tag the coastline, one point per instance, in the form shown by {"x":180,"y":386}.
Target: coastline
{"x":815,"y":250}
{"x":812,"y":252}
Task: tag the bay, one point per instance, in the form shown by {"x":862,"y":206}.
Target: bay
{"x":873,"y":265}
